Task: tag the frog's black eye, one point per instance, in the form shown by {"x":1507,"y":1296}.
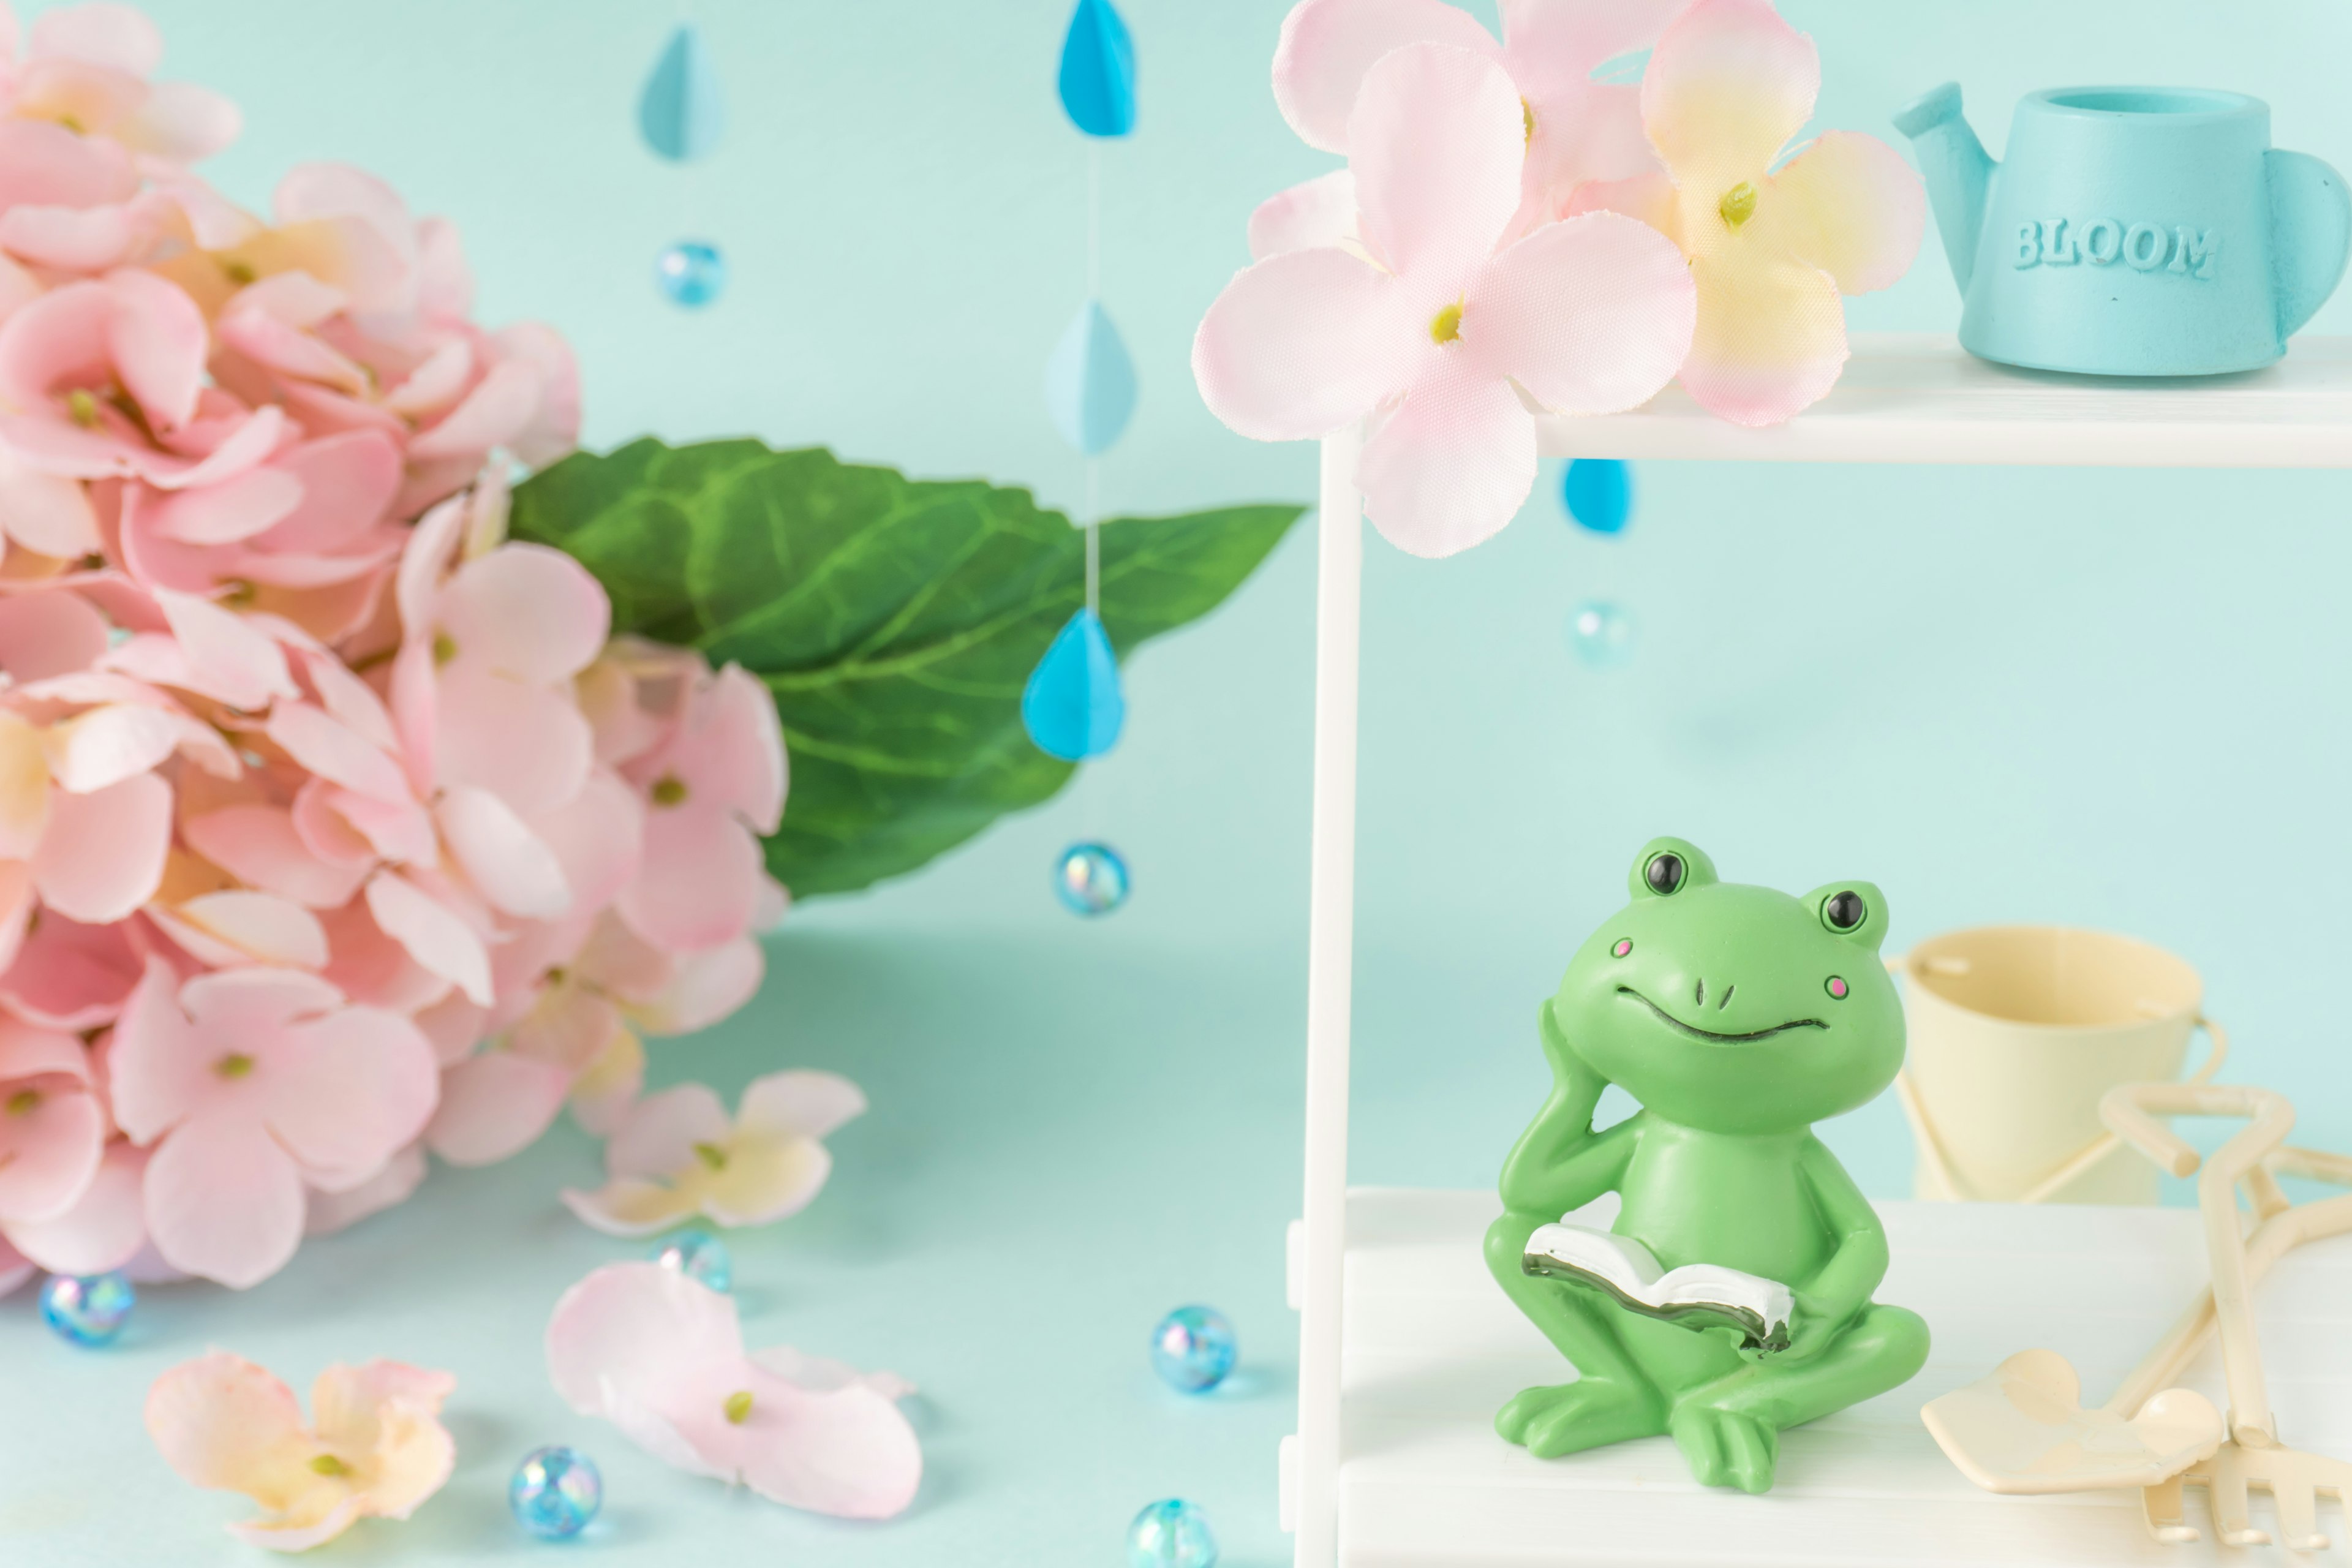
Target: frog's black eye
{"x":1844,"y":911}
{"x":1664,"y":873}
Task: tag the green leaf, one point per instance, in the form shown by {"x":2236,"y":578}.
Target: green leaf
{"x":894,"y":620}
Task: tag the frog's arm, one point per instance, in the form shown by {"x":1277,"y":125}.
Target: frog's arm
{"x":1560,"y":1163}
{"x":1842,"y":1284}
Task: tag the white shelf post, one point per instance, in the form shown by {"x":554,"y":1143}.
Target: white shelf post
{"x":1330,"y":938}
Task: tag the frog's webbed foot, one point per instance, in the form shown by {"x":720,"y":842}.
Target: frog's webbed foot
{"x":1725,"y":1448}
{"x":1569,"y":1417}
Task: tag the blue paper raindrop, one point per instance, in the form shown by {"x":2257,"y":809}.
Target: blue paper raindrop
{"x":1599,"y":493}
{"x":1072,"y":705}
{"x":1090,"y":381}
{"x":681,"y":113}
{"x":1098,"y":77}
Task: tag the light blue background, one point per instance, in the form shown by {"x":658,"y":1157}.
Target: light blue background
{"x":2092,"y":696}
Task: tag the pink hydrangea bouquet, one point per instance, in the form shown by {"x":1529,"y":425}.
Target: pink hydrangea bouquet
{"x":334,"y":825}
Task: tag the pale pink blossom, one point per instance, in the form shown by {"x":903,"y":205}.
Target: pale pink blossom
{"x":104,"y":1229}
{"x":661,"y":1356}
{"x":374,"y":1447}
{"x":250,"y":1084}
{"x":713,"y":787}
{"x":52,"y":1126}
{"x":677,"y":1155}
{"x":1576,"y":128}
{"x":1428,"y":330}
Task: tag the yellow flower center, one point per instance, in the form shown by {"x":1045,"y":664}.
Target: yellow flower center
{"x":237,"y":590}
{"x":237,"y":272}
{"x":712,"y":1154}
{"x":739,"y":1406}
{"x":235,"y":1065}
{"x":24,"y":1101}
{"x":445,"y":648}
{"x":1738,"y":205}
{"x":328,"y":1464}
{"x":81,"y":407}
{"x":1527,"y":119}
{"x":670,"y":790}
{"x":1447,"y":325}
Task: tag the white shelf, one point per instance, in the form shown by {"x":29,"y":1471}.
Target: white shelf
{"x":1431,"y":1348}
{"x":1913,"y":398}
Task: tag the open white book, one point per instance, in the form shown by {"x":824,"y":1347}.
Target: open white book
{"x":1696,"y":1295}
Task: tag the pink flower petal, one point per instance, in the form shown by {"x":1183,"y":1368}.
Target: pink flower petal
{"x":630,"y":1207}
{"x":16,"y":1271}
{"x":1328,"y":46}
{"x":234,"y":510}
{"x":370,"y":966}
{"x":1303,"y":344}
{"x":258,"y":845}
{"x":181,"y":123}
{"x":119,"y":38}
{"x":699,"y":883}
{"x":385,"y":1409}
{"x":107,"y":745}
{"x":105,"y":1227}
{"x":526,"y":612}
{"x":400,"y":831}
{"x":1436,"y":142}
{"x":66,"y":975}
{"x":229,"y":1426}
{"x":659,"y":1135}
{"x":495,"y":1105}
{"x":1770,"y":339}
{"x":70,"y":239}
{"x":103,"y":854}
{"x":499,"y":408}
{"x":1727,"y":86}
{"x":360,"y":1085}
{"x":528,"y":746}
{"x":228,"y":658}
{"x":52,"y":1128}
{"x":702,"y":988}
{"x":1583,"y":130}
{"x":1848,"y":204}
{"x":729,"y":750}
{"x":636,"y":1329}
{"x":1452,"y":467}
{"x":597,"y":839}
{"x":434,"y":937}
{"x":1317,"y":214}
{"x":504,"y":860}
{"x":347,"y":483}
{"x":223,"y":1200}
{"x":44,"y":512}
{"x":849,"y":1453}
{"x":159,"y":340}
{"x":50,"y":634}
{"x":554,"y":426}
{"x":1591,"y":315}
{"x":255,"y":927}
{"x":800,"y":1103}
{"x":336,"y":752}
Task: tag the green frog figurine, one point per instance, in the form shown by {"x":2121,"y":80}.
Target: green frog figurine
{"x":1738,"y":1016}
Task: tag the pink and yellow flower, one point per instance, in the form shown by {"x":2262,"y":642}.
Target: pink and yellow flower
{"x":1773,"y":245}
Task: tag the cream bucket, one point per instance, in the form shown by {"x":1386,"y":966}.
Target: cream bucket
{"x":2015,"y":1033}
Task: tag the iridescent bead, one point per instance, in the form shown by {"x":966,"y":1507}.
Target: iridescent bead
{"x":1091,"y":878}
{"x":1193,"y":1349}
{"x":1601,"y":633}
{"x":1170,"y":1534}
{"x":699,"y":1255}
{"x":692,"y":273}
{"x":88,"y":1311}
{"x":555,"y":1492}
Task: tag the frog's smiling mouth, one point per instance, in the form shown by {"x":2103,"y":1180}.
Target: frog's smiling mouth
{"x":1709,"y":1035}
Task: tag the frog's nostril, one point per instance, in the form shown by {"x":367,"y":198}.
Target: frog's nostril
{"x":1702,"y":992}
{"x":1725,"y":1000}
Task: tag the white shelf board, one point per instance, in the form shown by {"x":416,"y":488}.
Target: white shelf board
{"x":1431,"y":1348}
{"x":1915,"y":398}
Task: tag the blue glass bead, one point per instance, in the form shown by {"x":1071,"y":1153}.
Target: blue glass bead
{"x":1193,"y":1349}
{"x":1601,"y":633}
{"x":699,"y":1255}
{"x":1091,"y":878}
{"x":692,"y":273}
{"x":555,"y":1492}
{"x":1599,"y":493}
{"x":88,"y":1311}
{"x":1172,"y":1534}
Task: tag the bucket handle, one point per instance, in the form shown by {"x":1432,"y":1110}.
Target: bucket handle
{"x":1923,"y":1130}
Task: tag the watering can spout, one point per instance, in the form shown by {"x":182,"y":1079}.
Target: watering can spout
{"x":1956,"y":168}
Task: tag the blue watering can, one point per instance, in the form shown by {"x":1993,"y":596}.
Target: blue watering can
{"x":2131,"y":230}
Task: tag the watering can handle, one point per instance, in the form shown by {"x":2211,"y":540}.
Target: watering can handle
{"x":1931,"y":1144}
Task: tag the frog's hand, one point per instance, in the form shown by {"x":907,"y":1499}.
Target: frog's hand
{"x":1560,"y":1163}
{"x":1841,"y":1287}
